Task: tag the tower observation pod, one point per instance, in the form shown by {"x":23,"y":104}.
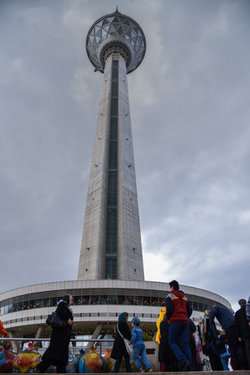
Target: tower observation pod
{"x":111,"y":243}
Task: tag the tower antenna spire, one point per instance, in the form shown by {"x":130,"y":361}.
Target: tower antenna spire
{"x":117,"y":11}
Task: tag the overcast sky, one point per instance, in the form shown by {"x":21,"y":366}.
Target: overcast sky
{"x":190,"y":111}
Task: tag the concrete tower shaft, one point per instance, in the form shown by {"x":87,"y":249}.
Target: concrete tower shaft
{"x":111,"y":243}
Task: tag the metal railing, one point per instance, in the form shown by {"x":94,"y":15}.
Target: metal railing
{"x":73,"y":348}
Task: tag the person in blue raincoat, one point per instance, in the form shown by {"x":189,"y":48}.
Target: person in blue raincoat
{"x":139,"y":350}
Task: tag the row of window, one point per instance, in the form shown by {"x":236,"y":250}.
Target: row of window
{"x":111,"y":228}
{"x":96,"y":300}
{"x":82,"y":315}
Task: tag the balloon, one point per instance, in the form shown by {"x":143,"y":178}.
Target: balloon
{"x":28,"y":360}
{"x":91,"y":362}
{"x":6,"y":360}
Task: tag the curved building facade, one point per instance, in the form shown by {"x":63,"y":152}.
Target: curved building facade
{"x":97,"y":303}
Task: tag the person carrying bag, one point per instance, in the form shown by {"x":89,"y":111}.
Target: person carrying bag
{"x":119,"y":350}
{"x":57,"y":352}
{"x":55,"y":321}
{"x":126,"y":342}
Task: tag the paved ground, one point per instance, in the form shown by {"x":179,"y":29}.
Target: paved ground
{"x":242,"y":372}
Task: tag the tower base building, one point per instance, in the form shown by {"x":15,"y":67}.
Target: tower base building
{"x":97,"y":304}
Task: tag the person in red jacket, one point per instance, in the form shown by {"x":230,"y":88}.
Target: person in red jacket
{"x":178,"y":311}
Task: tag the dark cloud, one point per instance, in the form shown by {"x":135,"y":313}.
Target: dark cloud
{"x":190,"y":114}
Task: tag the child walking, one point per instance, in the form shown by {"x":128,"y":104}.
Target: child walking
{"x":139,"y":350}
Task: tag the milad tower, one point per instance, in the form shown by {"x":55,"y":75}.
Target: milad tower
{"x":110,"y":274}
{"x":111,"y":243}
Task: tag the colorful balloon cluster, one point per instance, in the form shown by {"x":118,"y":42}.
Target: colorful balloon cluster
{"x":24,"y":362}
{"x":28,"y":360}
{"x":93,"y":363}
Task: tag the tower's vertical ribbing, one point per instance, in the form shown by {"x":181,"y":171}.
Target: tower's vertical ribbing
{"x":112,"y":203}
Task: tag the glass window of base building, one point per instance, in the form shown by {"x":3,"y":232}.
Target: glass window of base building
{"x":103,"y":300}
{"x":137,"y":300}
{"x":108,"y":300}
{"x":155,"y":301}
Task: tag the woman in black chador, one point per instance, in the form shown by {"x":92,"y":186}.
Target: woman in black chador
{"x":57,"y":352}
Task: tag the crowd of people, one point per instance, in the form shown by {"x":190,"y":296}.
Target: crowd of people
{"x":182,"y":345}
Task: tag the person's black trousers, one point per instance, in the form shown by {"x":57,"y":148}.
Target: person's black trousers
{"x":45,"y":363}
{"x":233,"y":346}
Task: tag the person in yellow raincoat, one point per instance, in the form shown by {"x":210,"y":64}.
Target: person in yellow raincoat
{"x":166,"y":357}
{"x":160,"y":319}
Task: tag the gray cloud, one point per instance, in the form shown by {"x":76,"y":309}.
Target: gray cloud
{"x":190,"y":114}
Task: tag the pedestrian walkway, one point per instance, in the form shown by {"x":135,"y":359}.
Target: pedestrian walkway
{"x":240,"y":372}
